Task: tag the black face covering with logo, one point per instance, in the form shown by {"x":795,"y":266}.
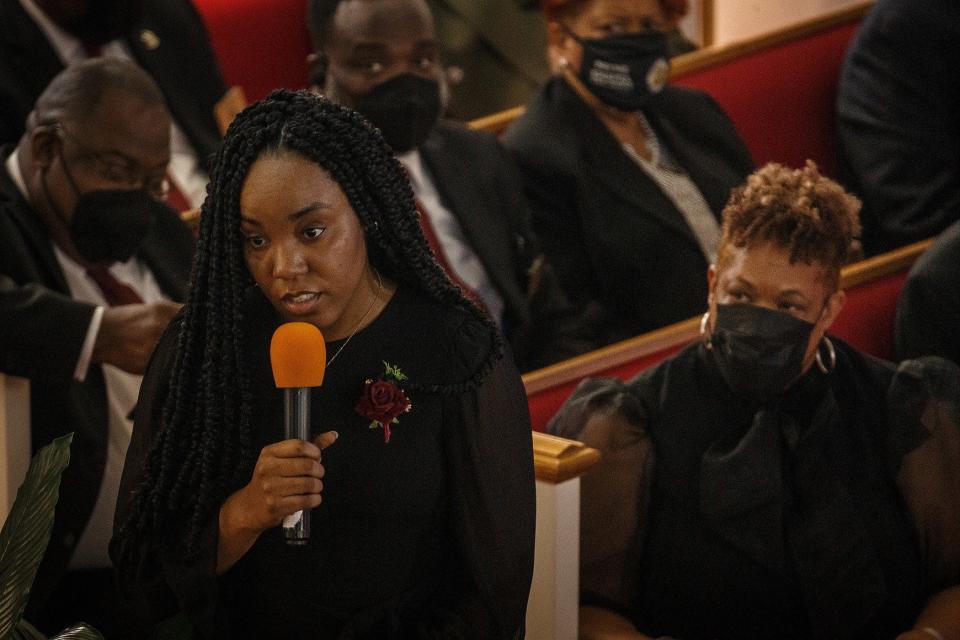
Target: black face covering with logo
{"x":624,"y":71}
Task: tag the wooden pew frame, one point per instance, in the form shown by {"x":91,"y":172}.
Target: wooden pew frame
{"x":686,"y":331}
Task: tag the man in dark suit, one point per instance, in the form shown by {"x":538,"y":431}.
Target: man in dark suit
{"x":90,"y":259}
{"x":898,"y":120}
{"x":167,"y":38}
{"x":381,"y":58}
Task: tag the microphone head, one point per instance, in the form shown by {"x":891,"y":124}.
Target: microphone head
{"x":298,"y":355}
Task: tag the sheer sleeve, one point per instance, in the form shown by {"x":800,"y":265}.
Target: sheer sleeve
{"x":610,"y":416}
{"x":925,"y":450}
{"x":492,"y":503}
{"x":156,"y":579}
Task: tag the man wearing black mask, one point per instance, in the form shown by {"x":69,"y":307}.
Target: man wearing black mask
{"x":90,"y":259}
{"x":380,"y":57}
{"x":39,"y":38}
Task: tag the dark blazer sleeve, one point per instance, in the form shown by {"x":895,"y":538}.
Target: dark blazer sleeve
{"x":156,"y":579}
{"x":41,"y":331}
{"x":897,"y":107}
{"x":491,"y":484}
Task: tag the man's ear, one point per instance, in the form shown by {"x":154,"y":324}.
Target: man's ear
{"x":44,"y":142}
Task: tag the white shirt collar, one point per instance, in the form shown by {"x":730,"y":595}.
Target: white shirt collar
{"x":13,"y":168}
{"x":413,"y":162}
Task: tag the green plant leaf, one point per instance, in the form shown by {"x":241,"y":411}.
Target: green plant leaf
{"x":26,"y":532}
{"x":80,"y":631}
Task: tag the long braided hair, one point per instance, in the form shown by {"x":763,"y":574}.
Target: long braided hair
{"x":203,"y":450}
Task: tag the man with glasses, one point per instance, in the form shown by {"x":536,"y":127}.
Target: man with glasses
{"x":90,"y":260}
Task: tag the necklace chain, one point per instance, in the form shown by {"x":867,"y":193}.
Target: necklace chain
{"x":360,"y":322}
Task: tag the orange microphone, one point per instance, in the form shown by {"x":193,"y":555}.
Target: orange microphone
{"x":298,"y":356}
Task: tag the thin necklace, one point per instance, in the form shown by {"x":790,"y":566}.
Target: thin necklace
{"x":364,"y":317}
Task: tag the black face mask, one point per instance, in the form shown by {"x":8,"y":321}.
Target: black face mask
{"x":404,"y":108}
{"x":105,"y":20}
{"x":110,"y":225}
{"x":759,"y":352}
{"x":624,"y":71}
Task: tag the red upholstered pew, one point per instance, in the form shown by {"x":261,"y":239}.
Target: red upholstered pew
{"x":780,"y":89}
{"x":261,"y":44}
{"x":866,"y":322}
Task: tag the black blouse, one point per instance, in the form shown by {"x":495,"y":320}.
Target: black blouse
{"x":427,"y":535}
{"x":828,"y":512}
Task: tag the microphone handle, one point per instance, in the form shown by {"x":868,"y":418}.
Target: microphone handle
{"x":296,"y":424}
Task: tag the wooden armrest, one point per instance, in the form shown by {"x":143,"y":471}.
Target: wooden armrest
{"x":557,"y":459}
{"x":233,"y":102}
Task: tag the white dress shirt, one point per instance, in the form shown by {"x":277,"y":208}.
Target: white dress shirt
{"x":456,"y":248}
{"x":184,"y":169}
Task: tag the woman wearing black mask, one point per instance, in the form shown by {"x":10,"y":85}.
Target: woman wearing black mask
{"x":626,"y":175}
{"x":770,"y":481}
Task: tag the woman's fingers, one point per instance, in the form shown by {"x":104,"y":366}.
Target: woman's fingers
{"x":326,"y":439}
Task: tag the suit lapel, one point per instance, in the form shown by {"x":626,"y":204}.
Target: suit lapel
{"x":611,"y":167}
{"x":694,"y":159}
{"x":33,"y":232}
{"x":456,"y":182}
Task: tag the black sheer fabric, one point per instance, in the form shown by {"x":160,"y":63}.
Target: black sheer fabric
{"x":427,"y":536}
{"x":828,"y":512}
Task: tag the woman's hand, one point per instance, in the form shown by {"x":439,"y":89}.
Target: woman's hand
{"x":287,"y":478}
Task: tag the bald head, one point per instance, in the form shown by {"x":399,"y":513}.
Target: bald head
{"x":75,"y":93}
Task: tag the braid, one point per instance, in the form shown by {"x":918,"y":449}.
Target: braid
{"x":203,"y":450}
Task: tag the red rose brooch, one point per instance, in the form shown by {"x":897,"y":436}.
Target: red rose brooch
{"x":383,"y":400}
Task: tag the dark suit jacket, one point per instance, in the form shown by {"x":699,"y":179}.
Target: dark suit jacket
{"x":182,"y":63}
{"x":482,"y":188}
{"x":616,"y":240}
{"x":928,"y":312}
{"x":41,"y":334}
{"x":898,"y":120}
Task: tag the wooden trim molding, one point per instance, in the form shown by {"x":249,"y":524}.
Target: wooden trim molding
{"x":686,"y":331}
{"x":557,"y":460}
{"x":610,"y":356}
{"x":497,"y":123}
{"x":883,"y":265}
{"x":713,"y":56}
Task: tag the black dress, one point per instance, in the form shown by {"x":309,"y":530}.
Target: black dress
{"x":828,"y":512}
{"x":427,"y":535}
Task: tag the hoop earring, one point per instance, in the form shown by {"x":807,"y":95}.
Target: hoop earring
{"x":703,"y":332}
{"x":831,"y":354}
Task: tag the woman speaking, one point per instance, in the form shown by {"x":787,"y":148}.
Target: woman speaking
{"x":419,"y":472}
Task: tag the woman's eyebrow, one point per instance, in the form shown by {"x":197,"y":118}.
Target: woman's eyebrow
{"x":296,"y":215}
{"x":313,"y":206}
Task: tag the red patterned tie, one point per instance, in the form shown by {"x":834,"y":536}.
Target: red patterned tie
{"x":116,"y":293}
{"x":434,"y":241}
{"x":176,"y":200}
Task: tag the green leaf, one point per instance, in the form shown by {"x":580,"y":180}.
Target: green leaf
{"x":26,"y":532}
{"x":394,"y":372}
{"x":80,"y":631}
